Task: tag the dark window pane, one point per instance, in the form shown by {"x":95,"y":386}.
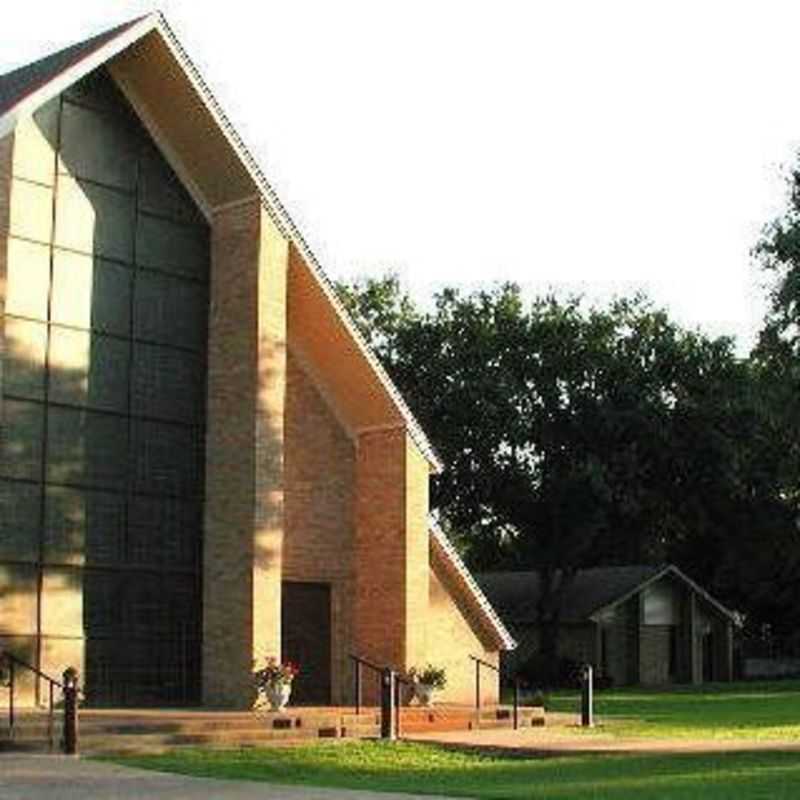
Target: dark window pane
{"x":170,"y":311}
{"x":94,"y":220}
{"x":98,"y":90}
{"x":96,"y":146}
{"x":19,"y":521}
{"x":166,"y":459}
{"x":88,"y":370}
{"x":84,"y":527}
{"x":17,"y":602}
{"x":164,"y":531}
{"x":171,"y":247}
{"x":21,"y":425}
{"x":161,"y":192}
{"x":23,"y":367}
{"x":102,"y":601}
{"x":91,"y":293}
{"x":167,"y":383}
{"x":86,"y":448}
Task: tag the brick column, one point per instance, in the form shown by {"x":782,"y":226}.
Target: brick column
{"x":391,"y":552}
{"x":243,"y":536}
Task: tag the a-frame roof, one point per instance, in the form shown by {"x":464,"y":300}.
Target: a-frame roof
{"x":23,"y":83}
{"x":593,"y":591}
{"x":482,"y":610}
{"x":204,"y":129}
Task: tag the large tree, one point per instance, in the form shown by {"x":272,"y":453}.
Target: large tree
{"x":572,"y":436}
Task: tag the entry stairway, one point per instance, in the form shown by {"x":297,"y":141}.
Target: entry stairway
{"x":130,"y":731}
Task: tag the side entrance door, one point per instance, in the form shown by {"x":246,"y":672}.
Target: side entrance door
{"x":306,"y":640}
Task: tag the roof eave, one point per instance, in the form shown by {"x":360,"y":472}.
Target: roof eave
{"x":273,"y":206}
{"x":666,"y":570}
{"x":489,"y":615}
{"x":30,"y":102}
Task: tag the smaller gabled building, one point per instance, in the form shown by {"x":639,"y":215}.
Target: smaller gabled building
{"x":635,"y":624}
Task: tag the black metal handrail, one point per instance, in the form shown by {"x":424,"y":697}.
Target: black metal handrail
{"x":399,"y":679}
{"x":14,"y":662}
{"x":479,"y":662}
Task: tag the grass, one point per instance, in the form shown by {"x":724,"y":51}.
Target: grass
{"x":756,"y":711}
{"x":427,"y":769}
{"x":735,"y":711}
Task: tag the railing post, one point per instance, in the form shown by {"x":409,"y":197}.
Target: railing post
{"x":70,"y":711}
{"x":388,"y":710}
{"x":516,"y":704}
{"x":587,"y":696}
{"x":11,"y":682}
{"x":50,"y":715}
{"x":358,"y":686}
{"x":396,"y":707}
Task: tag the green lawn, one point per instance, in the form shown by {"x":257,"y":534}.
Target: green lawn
{"x":426,"y":769}
{"x":730,"y":711}
{"x":741,"y":711}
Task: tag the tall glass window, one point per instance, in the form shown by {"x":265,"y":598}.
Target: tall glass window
{"x":103,"y":425}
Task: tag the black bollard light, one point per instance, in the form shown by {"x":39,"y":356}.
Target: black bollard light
{"x":70,"y":678}
{"x":587,"y":696}
{"x":388,"y":708}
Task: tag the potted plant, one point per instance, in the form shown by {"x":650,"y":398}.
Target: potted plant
{"x":427,"y":681}
{"x":274,"y":682}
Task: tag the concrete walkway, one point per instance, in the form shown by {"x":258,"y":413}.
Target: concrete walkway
{"x":571,"y":740}
{"x":33,"y":777}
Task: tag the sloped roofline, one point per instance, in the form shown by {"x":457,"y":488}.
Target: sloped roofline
{"x":667,"y":569}
{"x":122,"y":37}
{"x":479,"y":600}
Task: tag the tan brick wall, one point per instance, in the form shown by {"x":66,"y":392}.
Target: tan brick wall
{"x":319,"y":493}
{"x":244,"y":464}
{"x":380,"y":547}
{"x":417,"y":553}
{"x":391,"y":552}
{"x":451,"y":641}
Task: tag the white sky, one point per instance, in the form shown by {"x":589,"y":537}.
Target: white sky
{"x":594,"y":146}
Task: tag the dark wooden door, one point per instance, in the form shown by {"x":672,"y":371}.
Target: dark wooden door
{"x":306,"y":640}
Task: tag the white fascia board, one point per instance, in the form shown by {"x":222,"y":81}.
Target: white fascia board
{"x":156,"y":21}
{"x":35,"y":100}
{"x":285,"y":224}
{"x":490,"y":615}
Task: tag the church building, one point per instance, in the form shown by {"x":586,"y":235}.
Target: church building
{"x":201,"y":462}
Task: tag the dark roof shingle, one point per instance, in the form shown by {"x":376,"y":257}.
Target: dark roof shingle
{"x":515,"y":594}
{"x":19,"y":83}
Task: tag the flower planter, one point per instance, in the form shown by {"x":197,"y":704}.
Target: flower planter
{"x":424,"y":693}
{"x":277,"y":695}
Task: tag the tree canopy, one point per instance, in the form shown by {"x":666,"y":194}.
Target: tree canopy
{"x":577,"y":436}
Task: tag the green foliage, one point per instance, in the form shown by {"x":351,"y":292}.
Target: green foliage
{"x":575,"y":436}
{"x":430,"y":675}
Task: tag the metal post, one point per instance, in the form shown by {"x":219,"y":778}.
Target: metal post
{"x":397,"y":688}
{"x":516,"y":704}
{"x":50,"y":715}
{"x":70,"y":711}
{"x":358,"y":687}
{"x":388,"y":709}
{"x":587,"y":696}
{"x":11,"y":682}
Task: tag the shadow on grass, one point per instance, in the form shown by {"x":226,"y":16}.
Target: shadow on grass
{"x":428,"y":769}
